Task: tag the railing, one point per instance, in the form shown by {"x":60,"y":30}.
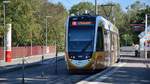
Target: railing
{"x":18,"y":52}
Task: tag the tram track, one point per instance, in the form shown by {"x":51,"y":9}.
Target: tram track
{"x":34,"y":74}
{"x":68,"y":79}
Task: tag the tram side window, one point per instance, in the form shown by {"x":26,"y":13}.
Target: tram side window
{"x":100,"y":42}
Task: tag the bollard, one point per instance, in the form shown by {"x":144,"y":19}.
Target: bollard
{"x":56,"y":61}
{"x":23,"y":81}
{"x":42,"y":74}
{"x":8,"y":53}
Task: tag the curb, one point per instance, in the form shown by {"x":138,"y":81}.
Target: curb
{"x":29,"y":65}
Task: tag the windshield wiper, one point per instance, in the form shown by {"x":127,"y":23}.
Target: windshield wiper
{"x":87,"y":46}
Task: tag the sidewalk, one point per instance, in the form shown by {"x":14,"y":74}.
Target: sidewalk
{"x":129,"y":71}
{"x":29,"y":62}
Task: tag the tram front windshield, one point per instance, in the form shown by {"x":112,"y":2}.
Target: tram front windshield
{"x":81,"y":36}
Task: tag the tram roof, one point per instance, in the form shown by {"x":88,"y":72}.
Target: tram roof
{"x":108,"y":25}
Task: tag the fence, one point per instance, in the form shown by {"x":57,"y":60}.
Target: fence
{"x":18,"y":52}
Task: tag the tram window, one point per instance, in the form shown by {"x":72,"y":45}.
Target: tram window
{"x":100,"y":44}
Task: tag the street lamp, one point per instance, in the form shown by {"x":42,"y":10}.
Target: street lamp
{"x":46,"y":30}
{"x":4,"y":13}
{"x":42,"y":74}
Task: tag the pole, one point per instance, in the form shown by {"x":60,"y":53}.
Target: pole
{"x":46,"y":34}
{"x":42,"y":74}
{"x":4,"y":29}
{"x":23,"y":81}
{"x":56,"y":56}
{"x":146,"y":36}
{"x":95,"y":7}
{"x":113,"y":15}
{"x":31,"y":43}
{"x":4,"y":13}
{"x":23,"y":66}
{"x":56,"y":47}
{"x":46,"y":22}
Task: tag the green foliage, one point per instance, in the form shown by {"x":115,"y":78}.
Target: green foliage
{"x":81,"y":7}
{"x":1,"y":23}
{"x":56,"y":23}
{"x":113,"y":13}
{"x":28,"y":22}
{"x":21,"y":15}
{"x":136,"y":15}
{"x":120,"y":19}
{"x":127,"y":39}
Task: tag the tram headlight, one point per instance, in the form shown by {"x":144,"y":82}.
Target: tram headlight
{"x":86,"y":57}
{"x":73,"y":57}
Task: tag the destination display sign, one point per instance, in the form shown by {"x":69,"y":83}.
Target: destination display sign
{"x":82,"y":23}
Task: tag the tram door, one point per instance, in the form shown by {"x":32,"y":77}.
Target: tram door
{"x":100,"y":54}
{"x":107,"y":46}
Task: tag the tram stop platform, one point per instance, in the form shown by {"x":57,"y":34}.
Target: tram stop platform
{"x":129,"y":70}
{"x":31,"y":61}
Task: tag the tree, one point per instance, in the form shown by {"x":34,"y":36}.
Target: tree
{"x":1,"y":23}
{"x":81,"y":7}
{"x":56,"y":30}
{"x":114,"y":13}
{"x":21,"y":15}
{"x":139,"y":10}
{"x":28,"y":21}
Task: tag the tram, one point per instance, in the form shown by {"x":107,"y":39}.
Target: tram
{"x":92,"y":43}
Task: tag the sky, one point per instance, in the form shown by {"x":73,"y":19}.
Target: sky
{"x":124,"y":3}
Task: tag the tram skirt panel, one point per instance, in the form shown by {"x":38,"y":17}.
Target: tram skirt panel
{"x":100,"y":60}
